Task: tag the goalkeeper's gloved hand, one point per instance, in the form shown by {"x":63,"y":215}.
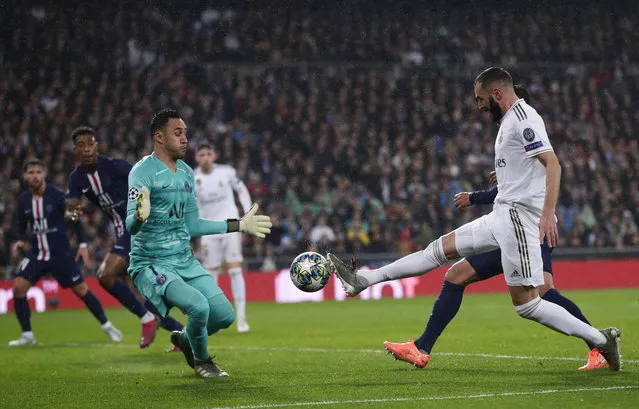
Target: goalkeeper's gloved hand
{"x":143,"y":205}
{"x":255,"y":225}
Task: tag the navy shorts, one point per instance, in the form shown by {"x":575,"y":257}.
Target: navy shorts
{"x":123,"y":246}
{"x":488,"y":265}
{"x":63,"y":268}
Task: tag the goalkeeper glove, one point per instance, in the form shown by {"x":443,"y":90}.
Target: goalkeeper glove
{"x":255,"y":225}
{"x":143,"y":205}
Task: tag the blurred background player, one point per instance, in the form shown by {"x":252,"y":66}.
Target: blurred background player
{"x":162,"y":216}
{"x":103,"y":181}
{"x":215,"y":185}
{"x":42,"y":207}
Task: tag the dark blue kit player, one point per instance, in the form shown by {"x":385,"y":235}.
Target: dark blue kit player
{"x":104,"y":182}
{"x":41,"y":207}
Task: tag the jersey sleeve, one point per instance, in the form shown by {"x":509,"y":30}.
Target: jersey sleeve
{"x":74,"y":191}
{"x":138,"y":178}
{"x":240,"y":188}
{"x":532,"y":133}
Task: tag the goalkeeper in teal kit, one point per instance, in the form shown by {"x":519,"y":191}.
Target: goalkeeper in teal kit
{"x":162,"y":216}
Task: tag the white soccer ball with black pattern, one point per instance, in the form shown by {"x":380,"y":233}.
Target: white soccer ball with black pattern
{"x":310,"y":271}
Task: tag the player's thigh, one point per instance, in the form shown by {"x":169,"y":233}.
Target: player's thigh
{"x":29,"y":270}
{"x":221,"y":313}
{"x":486,"y":265}
{"x":118,"y":258}
{"x":232,"y":248}
{"x":518,"y":236}
{"x":152,"y":281}
{"x":212,"y":252}
{"x":475,"y":237}
{"x":66,"y":271}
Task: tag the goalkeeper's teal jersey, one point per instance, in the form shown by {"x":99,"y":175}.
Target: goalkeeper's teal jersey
{"x":164,"y":237}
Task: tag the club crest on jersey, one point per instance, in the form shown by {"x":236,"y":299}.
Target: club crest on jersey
{"x":133,"y":193}
{"x":529,"y":134}
{"x":160,"y":279}
{"x":198,"y":182}
{"x":220,"y":184}
{"x":187,"y":187}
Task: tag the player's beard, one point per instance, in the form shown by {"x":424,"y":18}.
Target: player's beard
{"x":495,"y":110}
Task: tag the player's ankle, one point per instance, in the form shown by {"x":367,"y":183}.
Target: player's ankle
{"x":147,"y":317}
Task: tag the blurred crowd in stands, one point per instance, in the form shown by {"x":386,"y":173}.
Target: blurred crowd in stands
{"x":352,"y":127}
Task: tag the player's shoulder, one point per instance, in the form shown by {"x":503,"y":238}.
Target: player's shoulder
{"x":78,"y":171}
{"x":55,"y":191}
{"x":524,"y":114}
{"x":111,"y":161}
{"x":24,"y":196}
{"x":146,"y":164}
{"x":224,"y":168}
{"x":184,"y":167}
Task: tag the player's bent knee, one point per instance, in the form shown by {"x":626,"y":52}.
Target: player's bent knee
{"x":221,"y":314}
{"x":80,"y":289}
{"x":461,"y":273}
{"x":20,"y":287}
{"x":199,"y":311}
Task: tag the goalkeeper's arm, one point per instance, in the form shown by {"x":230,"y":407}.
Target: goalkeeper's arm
{"x":256,"y":225}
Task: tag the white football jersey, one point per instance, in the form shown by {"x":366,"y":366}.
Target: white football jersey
{"x":521,"y":177}
{"x":215,"y":199}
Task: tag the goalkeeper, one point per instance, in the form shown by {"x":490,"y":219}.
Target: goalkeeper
{"x":162,"y":216}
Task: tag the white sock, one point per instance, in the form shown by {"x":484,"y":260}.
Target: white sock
{"x":556,"y":317}
{"x":148,"y":317}
{"x":28,"y":334}
{"x":409,"y":266}
{"x":238,"y":288}
{"x":107,"y":325}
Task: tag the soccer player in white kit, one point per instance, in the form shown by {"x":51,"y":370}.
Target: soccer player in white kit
{"x":523,"y":216}
{"x":215,"y":185}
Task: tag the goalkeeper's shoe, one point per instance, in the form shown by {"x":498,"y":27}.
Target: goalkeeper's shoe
{"x":610,"y":350}
{"x":178,"y":340}
{"x":347,"y":274}
{"x":595,"y":361}
{"x":208,"y":369}
{"x":407,"y":352}
{"x":25,"y":339}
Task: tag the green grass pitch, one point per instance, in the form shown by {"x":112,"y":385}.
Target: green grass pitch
{"x":327,"y":355}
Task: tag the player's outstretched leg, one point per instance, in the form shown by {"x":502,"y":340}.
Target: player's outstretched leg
{"x":113,"y":278}
{"x":23,"y":312}
{"x":82,"y":291}
{"x":194,"y":339}
{"x":444,"y":310}
{"x":549,"y":293}
{"x":221,"y":314}
{"x":435,"y":255}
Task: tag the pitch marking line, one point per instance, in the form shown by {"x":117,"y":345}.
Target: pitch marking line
{"x":427,"y":398}
{"x":319,"y":350}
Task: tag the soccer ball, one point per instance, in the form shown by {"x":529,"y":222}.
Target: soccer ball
{"x":310,"y":272}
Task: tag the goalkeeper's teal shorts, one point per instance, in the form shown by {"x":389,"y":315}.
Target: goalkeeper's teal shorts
{"x":153,"y":280}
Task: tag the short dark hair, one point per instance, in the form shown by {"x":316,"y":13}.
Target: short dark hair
{"x":204,"y":145}
{"x":522,"y":93}
{"x":33,"y":162}
{"x":494,"y":74}
{"x":82,"y":130}
{"x":161,"y":118}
